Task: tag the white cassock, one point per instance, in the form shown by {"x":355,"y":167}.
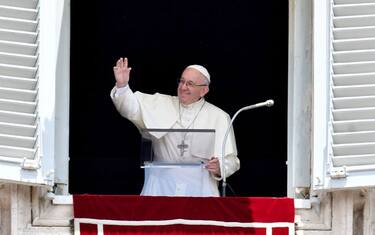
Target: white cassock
{"x":160,"y":111}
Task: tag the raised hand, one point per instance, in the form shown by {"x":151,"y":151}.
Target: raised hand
{"x":122,"y":72}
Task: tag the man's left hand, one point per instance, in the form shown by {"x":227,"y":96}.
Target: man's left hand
{"x":213,"y":166}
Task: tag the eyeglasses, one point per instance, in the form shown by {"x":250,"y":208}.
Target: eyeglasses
{"x":188,"y":83}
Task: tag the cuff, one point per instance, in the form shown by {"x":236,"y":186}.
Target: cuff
{"x":120,"y":91}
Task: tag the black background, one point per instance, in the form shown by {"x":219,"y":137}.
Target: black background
{"x":244,"y":46}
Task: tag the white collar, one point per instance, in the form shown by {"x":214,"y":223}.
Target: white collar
{"x":193,"y":105}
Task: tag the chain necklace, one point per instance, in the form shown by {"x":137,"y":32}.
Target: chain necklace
{"x":182,"y":146}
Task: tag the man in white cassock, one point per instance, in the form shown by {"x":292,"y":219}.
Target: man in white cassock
{"x":189,"y":110}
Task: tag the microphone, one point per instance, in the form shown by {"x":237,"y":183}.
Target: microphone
{"x":267,"y":103}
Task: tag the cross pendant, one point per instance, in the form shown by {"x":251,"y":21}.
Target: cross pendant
{"x":182,"y":147}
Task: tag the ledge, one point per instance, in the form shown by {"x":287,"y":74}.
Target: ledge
{"x":68,"y":200}
{"x":62,"y":200}
{"x":302,"y":203}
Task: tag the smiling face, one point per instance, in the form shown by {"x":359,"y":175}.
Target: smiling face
{"x":189,"y":94}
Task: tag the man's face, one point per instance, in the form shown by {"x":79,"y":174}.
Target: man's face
{"x":189,"y":94}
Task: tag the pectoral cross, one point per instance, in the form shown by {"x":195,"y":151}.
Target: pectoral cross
{"x":182,"y":147}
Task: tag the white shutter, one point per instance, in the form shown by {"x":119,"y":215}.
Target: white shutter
{"x":20,"y":139}
{"x":351,"y":120}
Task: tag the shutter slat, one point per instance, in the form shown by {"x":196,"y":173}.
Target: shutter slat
{"x":17,"y":12}
{"x":18,"y":47}
{"x":354,"y":114}
{"x":16,"y":152}
{"x":337,"y":2}
{"x":354,"y":125}
{"x":17,"y":106}
{"x":353,"y":149}
{"x":18,"y":36}
{"x":353,"y":102}
{"x":354,"y":33}
{"x":20,"y":3}
{"x":17,"y":82}
{"x":354,"y":67}
{"x":354,"y":21}
{"x":17,"y":141}
{"x":354,"y":56}
{"x":354,"y":44}
{"x":18,"y":24}
{"x":17,"y":71}
{"x":17,"y":118}
{"x":354,"y":9}
{"x":353,"y":79}
{"x":354,"y":160}
{"x":354,"y":137}
{"x":16,"y":59}
{"x":20,"y":130}
{"x":17,"y":94}
{"x":356,"y":90}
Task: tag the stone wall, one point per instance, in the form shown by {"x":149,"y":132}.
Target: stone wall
{"x":25,"y":210}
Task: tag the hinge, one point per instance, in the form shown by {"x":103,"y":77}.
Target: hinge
{"x":338,"y":172}
{"x":30,"y":164}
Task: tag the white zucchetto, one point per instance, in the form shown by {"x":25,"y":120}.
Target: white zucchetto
{"x":202,"y":70}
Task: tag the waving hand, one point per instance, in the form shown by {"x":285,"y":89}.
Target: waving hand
{"x":121,"y":72}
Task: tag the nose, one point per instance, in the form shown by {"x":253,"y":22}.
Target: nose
{"x":183,"y":85}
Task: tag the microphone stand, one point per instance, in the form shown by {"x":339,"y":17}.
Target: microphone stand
{"x":267,"y":103}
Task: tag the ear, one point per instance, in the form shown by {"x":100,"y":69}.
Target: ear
{"x":204,"y":91}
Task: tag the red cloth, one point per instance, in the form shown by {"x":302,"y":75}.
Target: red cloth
{"x":206,"y":209}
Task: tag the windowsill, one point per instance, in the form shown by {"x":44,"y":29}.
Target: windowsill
{"x":68,"y":200}
{"x":62,"y":200}
{"x":302,"y":204}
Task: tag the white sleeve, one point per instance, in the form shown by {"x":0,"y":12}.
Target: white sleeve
{"x":127,"y":104}
{"x":232,"y":164}
{"x":121,"y":90}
